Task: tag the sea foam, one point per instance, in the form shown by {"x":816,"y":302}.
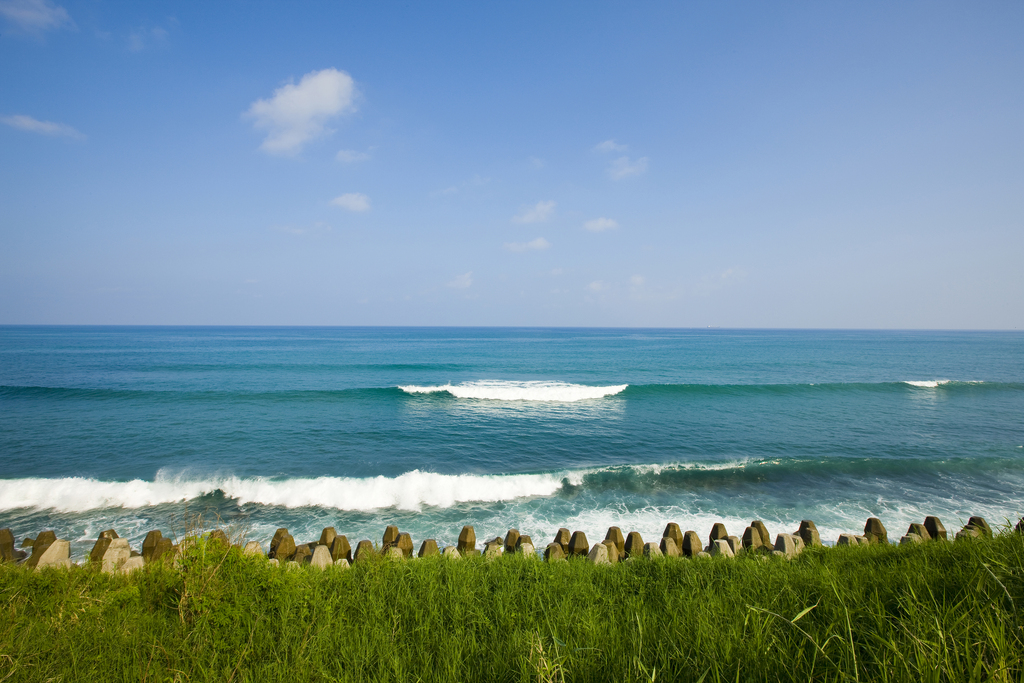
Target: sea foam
{"x":500,"y":390}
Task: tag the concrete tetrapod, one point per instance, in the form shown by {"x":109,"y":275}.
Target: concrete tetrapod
{"x":875,"y":531}
{"x":691,"y":544}
{"x":364,"y":551}
{"x":599,"y":554}
{"x":613,"y":551}
{"x":615,"y":536}
{"x":252,"y":548}
{"x":919,"y":530}
{"x":721,"y":548}
{"x":652,"y":550}
{"x":634,"y":545}
{"x":752,"y":539}
{"x":451,"y":553}
{"x":766,"y":538}
{"x":56,"y":554}
{"x":510,"y":540}
{"x":321,"y":558}
{"x":524,"y":540}
{"x":562,"y":539}
{"x":809,"y":533}
{"x":404,"y":543}
{"x":6,"y":545}
{"x":935,"y":528}
{"x":327,"y":536}
{"x":578,"y":545}
{"x":554,"y":553}
{"x":735,"y":544}
{"x":911,"y":538}
{"x":467,"y":541}
{"x":390,"y":538}
{"x":428,"y":548}
{"x":785,"y":544}
{"x":340,"y":549}
{"x":672,"y":531}
{"x":132,"y":564}
{"x":978,"y":523}
{"x":669,"y":548}
{"x":115,"y":554}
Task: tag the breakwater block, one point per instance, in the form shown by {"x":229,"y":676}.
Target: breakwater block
{"x":672,"y":531}
{"x":634,"y":545}
{"x":920,"y":531}
{"x":56,"y":554}
{"x":786,"y":545}
{"x":452,"y":553}
{"x":809,"y":533}
{"x":752,"y":539}
{"x":523,"y":541}
{"x":652,"y":550}
{"x":875,"y":531}
{"x":911,"y":538}
{"x":718,"y":533}
{"x":341,"y":564}
{"x":554,"y":552}
{"x":328,"y":535}
{"x":467,"y":541}
{"x":115,"y":553}
{"x":526,"y":549}
{"x":494,"y":548}
{"x":691,"y":544}
{"x":562,"y":538}
{"x":615,"y":536}
{"x":149,"y":545}
{"x":218,"y":536}
{"x":721,"y":548}
{"x":394,"y":553}
{"x":981,"y":525}
{"x":847,"y":539}
{"x":389,"y":539}
{"x":598,"y":554}
{"x":613,"y":551}
{"x":364,"y":550}
{"x":735,"y":543}
{"x":1020,"y":526}
{"x":935,"y":528}
{"x":39,"y":547}
{"x":282,"y":545}
{"x":428,"y":548}
{"x":510,"y":540}
{"x":321,"y":558}
{"x":6,"y":545}
{"x":252,"y":548}
{"x":578,"y":545}
{"x":132,"y":564}
{"x":766,"y":538}
{"x":303,"y":553}
{"x":669,"y":548}
{"x":404,"y":543}
{"x":340,"y":549}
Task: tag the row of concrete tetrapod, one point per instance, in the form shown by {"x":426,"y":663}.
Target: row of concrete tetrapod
{"x":113,"y":554}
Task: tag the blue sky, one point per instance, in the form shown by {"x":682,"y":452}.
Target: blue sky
{"x":852,"y":165}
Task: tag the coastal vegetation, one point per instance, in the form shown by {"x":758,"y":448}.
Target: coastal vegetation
{"x":937,"y":611}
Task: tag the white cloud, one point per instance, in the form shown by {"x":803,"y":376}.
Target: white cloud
{"x":141,"y":38}
{"x":637,"y":280}
{"x":597,"y":286}
{"x":541,"y":211}
{"x":35,"y":15}
{"x":624,"y":167}
{"x":299,"y":113}
{"x":537,"y":162}
{"x":601,"y":224}
{"x":538,"y":244}
{"x":610,"y":146}
{"x":42,"y":127}
{"x":349,"y":156}
{"x":353,"y":201}
{"x":464,"y":281}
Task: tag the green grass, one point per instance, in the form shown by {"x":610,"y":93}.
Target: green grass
{"x":930,"y":612}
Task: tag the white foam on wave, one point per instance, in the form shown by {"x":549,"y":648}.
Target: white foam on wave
{"x":500,"y":390}
{"x":933,"y":383}
{"x":408,"y":491}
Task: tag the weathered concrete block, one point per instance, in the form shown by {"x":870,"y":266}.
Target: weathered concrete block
{"x":390,"y":538}
{"x":218,"y":536}
{"x":521,"y":541}
{"x":562,"y":538}
{"x":847,"y":539}
{"x":875,"y":531}
{"x":98,"y":549}
{"x":273,"y":562}
{"x":278,"y":536}
{"x":394,"y":553}
{"x":327,"y":536}
{"x":494,"y":548}
{"x":164,"y":550}
{"x":578,"y":545}
{"x":613,"y":551}
{"x":752,"y":539}
{"x":735,"y":543}
{"x":599,"y":554}
{"x":920,"y":530}
{"x":115,"y":554}
{"x":721,"y":548}
{"x":6,"y":545}
{"x":911,"y":538}
{"x":451,"y":553}
{"x":285,"y":547}
{"x":28,"y":542}
{"x":634,"y":546}
{"x":340,"y":549}
{"x":109,"y":533}
{"x":672,"y":531}
{"x":467,"y":540}
{"x":252,"y":548}
{"x":1020,"y":526}
{"x":703,"y":554}
{"x":321,"y":558}
{"x":510,"y":540}
{"x":978,"y":523}
{"x":341,"y":563}
{"x":808,"y":532}
{"x":935,"y":528}
{"x":718,"y":532}
{"x":149,"y":545}
{"x":615,"y":536}
{"x":652,"y":550}
{"x":766,"y":538}
{"x":786,"y":544}
{"x":428,"y":548}
{"x":364,"y":550}
{"x":56,"y":554}
{"x":554,"y":552}
{"x":132,"y":564}
{"x":691,"y":544}
{"x":404,"y":543}
{"x":669,"y":548}
{"x":969,"y":532}
{"x":39,"y":547}
{"x":863,"y":540}
{"x":526,"y":549}
{"x":303,"y":554}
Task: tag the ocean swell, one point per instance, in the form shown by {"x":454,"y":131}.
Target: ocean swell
{"x":499,"y":390}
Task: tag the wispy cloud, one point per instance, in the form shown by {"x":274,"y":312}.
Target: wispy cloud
{"x":50,"y":128}
{"x":597,"y":286}
{"x":349,"y":156}
{"x":353,"y":201}
{"x":298,"y":113}
{"x":539,"y":212}
{"x":637,"y":280}
{"x":601,"y":224}
{"x":610,"y":146}
{"x":537,"y":162}
{"x":464,"y":281}
{"x":475,"y":181}
{"x":35,"y":15}
{"x":538,"y":244}
{"x":142,"y":38}
{"x":623,"y":167}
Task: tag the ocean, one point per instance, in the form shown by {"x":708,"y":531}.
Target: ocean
{"x":250,"y":429}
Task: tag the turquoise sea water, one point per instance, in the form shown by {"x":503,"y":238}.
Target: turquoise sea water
{"x":433,"y":428}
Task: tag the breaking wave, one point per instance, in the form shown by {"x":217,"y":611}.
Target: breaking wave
{"x":498,"y":390}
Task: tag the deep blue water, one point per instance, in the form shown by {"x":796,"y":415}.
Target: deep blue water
{"x":141,"y":428}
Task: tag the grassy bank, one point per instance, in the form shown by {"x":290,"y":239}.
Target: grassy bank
{"x":929,"y":612}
